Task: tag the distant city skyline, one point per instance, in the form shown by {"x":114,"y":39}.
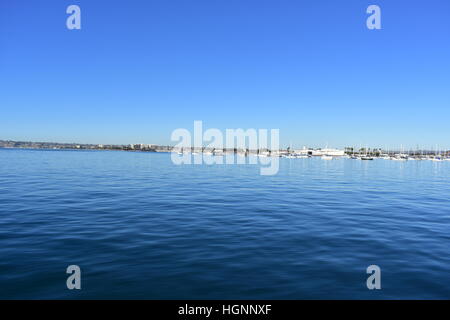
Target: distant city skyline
{"x":148,"y":146}
{"x":138,"y":70}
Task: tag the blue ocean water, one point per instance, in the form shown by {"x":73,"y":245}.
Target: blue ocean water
{"x":141,"y":227}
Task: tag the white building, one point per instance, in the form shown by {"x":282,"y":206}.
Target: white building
{"x":321,"y":152}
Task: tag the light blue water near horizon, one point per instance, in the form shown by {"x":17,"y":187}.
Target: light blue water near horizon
{"x":141,"y":227}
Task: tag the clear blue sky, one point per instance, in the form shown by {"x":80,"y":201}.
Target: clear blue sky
{"x":139,"y":69}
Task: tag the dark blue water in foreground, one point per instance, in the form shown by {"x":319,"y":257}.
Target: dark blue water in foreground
{"x":141,"y":227}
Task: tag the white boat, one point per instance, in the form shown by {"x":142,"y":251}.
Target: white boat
{"x":397,"y":158}
{"x":385,"y":155}
{"x":328,"y":152}
{"x":437,"y":157}
{"x":366,"y":156}
{"x":326,"y":157}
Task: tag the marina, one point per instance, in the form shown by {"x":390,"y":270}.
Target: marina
{"x":288,"y":153}
{"x":330,"y":154}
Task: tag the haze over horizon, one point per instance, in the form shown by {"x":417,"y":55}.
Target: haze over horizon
{"x":138,"y":70}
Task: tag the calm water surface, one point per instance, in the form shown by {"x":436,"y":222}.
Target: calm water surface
{"x":142,"y":227}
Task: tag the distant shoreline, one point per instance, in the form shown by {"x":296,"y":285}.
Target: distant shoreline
{"x":11,"y":144}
